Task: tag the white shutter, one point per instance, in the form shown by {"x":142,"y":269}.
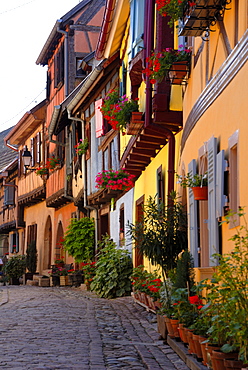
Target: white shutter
{"x":193,"y":225}
{"x":212,"y":220}
{"x":221,"y":166}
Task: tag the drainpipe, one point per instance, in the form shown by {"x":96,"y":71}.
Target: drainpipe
{"x":149,"y":45}
{"x":56,"y":111}
{"x":10,"y":146}
{"x":65,"y":55}
{"x":86,"y":206}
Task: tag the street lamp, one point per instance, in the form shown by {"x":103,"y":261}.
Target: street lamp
{"x":27,"y":158}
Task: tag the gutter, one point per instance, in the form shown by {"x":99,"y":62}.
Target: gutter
{"x":105,"y":29}
{"x":86,"y":86}
{"x":53,"y":122}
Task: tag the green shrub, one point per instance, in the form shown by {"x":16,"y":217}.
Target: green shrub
{"x":79,"y":239}
{"x":113,"y":270}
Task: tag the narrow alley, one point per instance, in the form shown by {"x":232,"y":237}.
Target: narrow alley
{"x":67,"y":328}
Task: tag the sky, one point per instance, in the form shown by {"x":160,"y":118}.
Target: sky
{"x":25,"y":27}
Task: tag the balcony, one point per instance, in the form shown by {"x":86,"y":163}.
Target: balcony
{"x":201,"y":17}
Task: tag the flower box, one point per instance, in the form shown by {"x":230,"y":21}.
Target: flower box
{"x":200,"y":17}
{"x":135,"y":124}
{"x":44,"y":281}
{"x":64,"y":280}
{"x":179,"y":72}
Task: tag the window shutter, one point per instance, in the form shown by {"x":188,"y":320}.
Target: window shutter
{"x":137,"y":11}
{"x":212,"y":220}
{"x":9,"y":194}
{"x":32,"y":151}
{"x":19,"y":163}
{"x":193,"y":225}
{"x":38,"y":147}
{"x":17,"y":242}
{"x":221,"y":199}
{"x":99,"y":118}
{"x":11,"y":243}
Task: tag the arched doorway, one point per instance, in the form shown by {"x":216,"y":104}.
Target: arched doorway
{"x":47,"y":244}
{"x":59,"y":251}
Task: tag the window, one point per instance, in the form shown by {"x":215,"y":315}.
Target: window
{"x":31,"y":233}
{"x":137,"y":10}
{"x":59,"y":67}
{"x":9,"y":194}
{"x":14,"y":242}
{"x":122,"y":226}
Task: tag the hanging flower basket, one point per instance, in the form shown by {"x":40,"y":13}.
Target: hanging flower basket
{"x":200,"y":192}
{"x":135,"y":124}
{"x":114,"y":180}
{"x":178,"y":72}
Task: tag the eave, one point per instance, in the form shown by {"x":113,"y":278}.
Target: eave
{"x":58,"y":199}
{"x":7,"y":227}
{"x":34,"y":197}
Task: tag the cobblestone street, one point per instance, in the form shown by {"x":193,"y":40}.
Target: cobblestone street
{"x":67,"y":328}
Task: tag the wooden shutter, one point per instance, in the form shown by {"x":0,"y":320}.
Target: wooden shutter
{"x":221,"y":199}
{"x":99,"y":118}
{"x":9,"y":194}
{"x":38,"y":142}
{"x":17,"y":242}
{"x":11,"y":243}
{"x":212,"y":219}
{"x":193,"y":224}
{"x":32,"y":151}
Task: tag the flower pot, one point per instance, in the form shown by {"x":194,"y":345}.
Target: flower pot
{"x":14,"y":281}
{"x":218,"y":357}
{"x":203,"y":350}
{"x":54,"y":280}
{"x":200,"y":192}
{"x":63,"y":280}
{"x":45,"y":282}
{"x":182,"y":333}
{"x":169,"y":327}
{"x":234,"y":365}
{"x":210,"y":348}
{"x":161,"y":326}
{"x":174,"y":324}
{"x":143,"y":298}
{"x":178,"y":72}
{"x":191,"y":342}
{"x":197,"y":347}
{"x":134,"y":126}
{"x":150,"y":302}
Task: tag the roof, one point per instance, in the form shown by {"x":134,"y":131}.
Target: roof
{"x":7,"y":155}
{"x":55,"y":36}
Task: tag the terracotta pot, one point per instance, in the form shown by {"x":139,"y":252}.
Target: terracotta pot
{"x":203,"y":350}
{"x":197,"y":346}
{"x":174,"y":324}
{"x":200,"y":192}
{"x":234,"y":365}
{"x":191,"y":348}
{"x":134,"y":126}
{"x":182,"y":333}
{"x":218,"y":357}
{"x":210,"y":348}
{"x":178,"y":72}
{"x":169,"y":327}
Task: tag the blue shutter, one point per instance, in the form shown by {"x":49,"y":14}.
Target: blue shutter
{"x":193,"y":224}
{"x":221,"y":199}
{"x":212,"y":219}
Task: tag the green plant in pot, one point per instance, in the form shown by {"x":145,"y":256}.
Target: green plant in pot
{"x":15,"y":268}
{"x":113,"y":271}
{"x":197,"y":182}
{"x":79,"y":239}
{"x":228,"y":293}
{"x":162,"y":232}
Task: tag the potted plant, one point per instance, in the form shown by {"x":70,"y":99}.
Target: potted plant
{"x":114,"y":180}
{"x":89,"y":271}
{"x":118,"y":110}
{"x":79,"y":239}
{"x":198,"y":183}
{"x":173,"y":9}
{"x":164,"y":64}
{"x":31,"y":260}
{"x":15,"y":268}
{"x":161,"y":234}
{"x":82,"y":146}
{"x":41,"y":171}
{"x":113,"y":270}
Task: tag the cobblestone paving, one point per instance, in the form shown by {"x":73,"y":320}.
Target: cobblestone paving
{"x":66,"y":328}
